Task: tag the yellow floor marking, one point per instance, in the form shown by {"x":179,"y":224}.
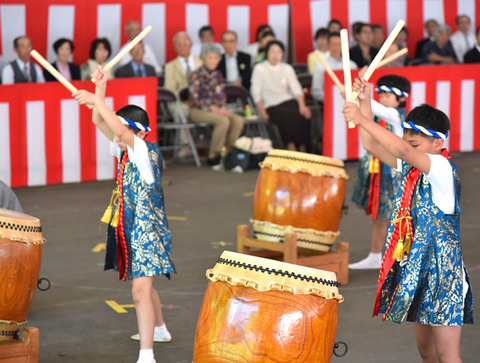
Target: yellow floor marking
{"x":249,"y":194}
{"x":177,"y":218}
{"x":222,"y":243}
{"x":121,"y":309}
{"x":99,"y":247}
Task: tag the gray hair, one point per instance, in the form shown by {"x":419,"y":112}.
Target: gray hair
{"x":209,"y":48}
{"x":178,"y":34}
{"x":440,"y":28}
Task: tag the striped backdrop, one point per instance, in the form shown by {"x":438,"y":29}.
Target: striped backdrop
{"x":46,"y":137}
{"x":309,"y":15}
{"x":451,"y":89}
{"x":85,"y":20}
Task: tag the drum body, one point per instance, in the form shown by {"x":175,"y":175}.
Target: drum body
{"x":260,"y":310}
{"x":301,"y":193}
{"x":20,"y":258}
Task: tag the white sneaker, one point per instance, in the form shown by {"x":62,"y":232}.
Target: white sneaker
{"x":373,"y":261}
{"x":161,"y":335}
{"x":218,"y":167}
{"x":237,"y":169}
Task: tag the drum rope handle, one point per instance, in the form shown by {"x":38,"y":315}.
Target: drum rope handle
{"x":280,"y":287}
{"x":337,"y":345}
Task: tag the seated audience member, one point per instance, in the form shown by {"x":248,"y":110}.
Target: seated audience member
{"x":430,"y":26}
{"x":354,"y":34}
{"x":378,"y":32}
{"x":321,"y":40}
{"x":207,"y":102}
{"x":334,"y":61}
{"x":132,"y":29}
{"x":400,"y":61}
{"x":473,"y":55}
{"x":252,"y":49}
{"x":234,"y":65}
{"x":440,"y":51}
{"x":8,"y":199}
{"x":136,"y":67}
{"x":265,"y":38}
{"x":22,"y":70}
{"x":279,"y":98}
{"x":463,"y":39}
{"x":179,"y":70}
{"x":100,"y":50}
{"x":363,"y":53}
{"x":334,"y":26}
{"x":206,"y":35}
{"x":401,"y":42}
{"x":63,"y":48}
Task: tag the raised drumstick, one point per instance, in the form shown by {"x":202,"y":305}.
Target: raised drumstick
{"x":347,"y":76}
{"x":380,"y":54}
{"x":127,"y":49}
{"x":329,"y":71}
{"x":392,"y":57}
{"x":54,"y":72}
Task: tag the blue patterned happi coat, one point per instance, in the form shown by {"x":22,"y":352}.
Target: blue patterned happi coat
{"x":389,"y":182}
{"x":427,"y":288}
{"x":146,"y":226}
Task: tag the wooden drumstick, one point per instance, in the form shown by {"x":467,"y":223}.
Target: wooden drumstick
{"x":54,"y":72}
{"x":380,"y":54}
{"x":392,"y":57}
{"x":329,"y":71}
{"x":347,"y":76}
{"x":127,"y":49}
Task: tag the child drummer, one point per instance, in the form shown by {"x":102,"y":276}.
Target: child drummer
{"x":138,"y":243}
{"x":422,"y":278}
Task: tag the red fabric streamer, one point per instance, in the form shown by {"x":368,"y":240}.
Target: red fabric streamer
{"x":122,"y":250}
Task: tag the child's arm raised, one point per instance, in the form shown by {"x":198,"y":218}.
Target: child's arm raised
{"x":99,"y":77}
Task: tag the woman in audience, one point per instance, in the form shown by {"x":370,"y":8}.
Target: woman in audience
{"x":279,"y":98}
{"x":63,"y":48}
{"x":100,"y":50}
{"x":265,"y":38}
{"x":441,"y":50}
{"x":207,"y":104}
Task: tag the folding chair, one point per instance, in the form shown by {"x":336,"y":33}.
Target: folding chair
{"x":300,"y":68}
{"x":240,"y":95}
{"x":171,"y":123}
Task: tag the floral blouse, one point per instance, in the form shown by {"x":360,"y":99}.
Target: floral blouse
{"x":206,"y":89}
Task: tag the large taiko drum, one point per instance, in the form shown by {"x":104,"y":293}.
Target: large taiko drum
{"x":262,"y":310}
{"x":301,"y":193}
{"x":20,"y":257}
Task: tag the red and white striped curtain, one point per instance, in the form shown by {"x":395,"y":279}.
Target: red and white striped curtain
{"x":452,"y":92}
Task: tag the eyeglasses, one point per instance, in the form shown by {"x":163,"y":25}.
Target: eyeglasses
{"x":229,"y":40}
{"x":185,"y":42}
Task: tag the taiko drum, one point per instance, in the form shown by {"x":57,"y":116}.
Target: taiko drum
{"x":20,"y":258}
{"x":262,"y":310}
{"x":301,"y":193}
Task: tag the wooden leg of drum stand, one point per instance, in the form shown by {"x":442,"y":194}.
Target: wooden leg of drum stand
{"x":336,"y":261}
{"x":25,"y":351}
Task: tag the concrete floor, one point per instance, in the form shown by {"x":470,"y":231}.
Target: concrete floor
{"x":77,"y":325}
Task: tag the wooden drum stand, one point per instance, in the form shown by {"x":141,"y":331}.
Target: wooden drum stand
{"x":288,"y":251}
{"x":25,"y":351}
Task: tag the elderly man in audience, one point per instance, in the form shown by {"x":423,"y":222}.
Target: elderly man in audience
{"x":207,"y":102}
{"x":363,"y":53}
{"x":440,"y":51}
{"x":206,"y":35}
{"x":430,"y":26}
{"x":463,"y":39}
{"x":132,"y":29}
{"x":21,"y":70}
{"x":179,"y":70}
{"x":473,"y":55}
{"x":335,"y":63}
{"x":136,"y":67}
{"x":234,"y":65}
{"x":321,"y":40}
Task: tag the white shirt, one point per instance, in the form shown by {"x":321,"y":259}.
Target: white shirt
{"x":8,"y":76}
{"x":441,"y":180}
{"x":148,"y":58}
{"x":137,"y":155}
{"x":191,"y":63}
{"x":462,"y":43}
{"x":231,"y":67}
{"x":389,"y":115}
{"x":318,"y":79}
{"x":274,"y":85}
